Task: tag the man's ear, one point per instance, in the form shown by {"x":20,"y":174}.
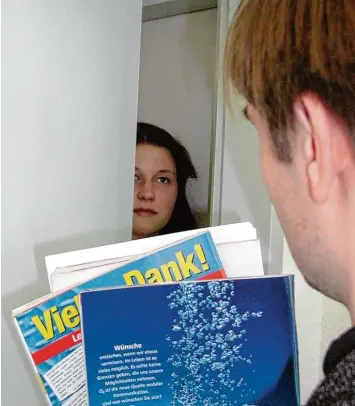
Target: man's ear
{"x":320,"y":136}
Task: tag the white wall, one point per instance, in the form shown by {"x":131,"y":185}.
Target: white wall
{"x":319,"y":321}
{"x":69,"y":111}
{"x":178,"y":56}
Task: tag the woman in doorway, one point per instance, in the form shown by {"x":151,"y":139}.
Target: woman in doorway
{"x":162,"y":169}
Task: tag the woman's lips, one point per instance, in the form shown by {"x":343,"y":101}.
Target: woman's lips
{"x":145,"y":212}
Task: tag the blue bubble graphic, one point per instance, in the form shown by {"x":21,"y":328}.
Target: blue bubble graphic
{"x":206,"y":339}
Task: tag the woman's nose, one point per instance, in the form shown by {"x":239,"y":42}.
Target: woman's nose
{"x":146,"y":191}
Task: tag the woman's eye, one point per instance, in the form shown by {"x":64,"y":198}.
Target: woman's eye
{"x":163,"y":180}
{"x":136,"y":178}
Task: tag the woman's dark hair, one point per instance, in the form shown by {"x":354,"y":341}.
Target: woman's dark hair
{"x":182,"y":218}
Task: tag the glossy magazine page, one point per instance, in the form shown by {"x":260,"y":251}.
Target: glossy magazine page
{"x":216,"y":343}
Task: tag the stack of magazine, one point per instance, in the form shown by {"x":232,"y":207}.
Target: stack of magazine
{"x":185,"y":319}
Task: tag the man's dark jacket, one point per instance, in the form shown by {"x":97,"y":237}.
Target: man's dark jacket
{"x":338,"y":386}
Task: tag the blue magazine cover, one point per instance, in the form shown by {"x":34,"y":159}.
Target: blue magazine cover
{"x":211,"y":343}
{"x":50,"y":328}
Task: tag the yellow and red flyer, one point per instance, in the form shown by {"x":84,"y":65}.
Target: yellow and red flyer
{"x":50,"y":328}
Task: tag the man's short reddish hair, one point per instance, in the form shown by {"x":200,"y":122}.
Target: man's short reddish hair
{"x":278,"y":49}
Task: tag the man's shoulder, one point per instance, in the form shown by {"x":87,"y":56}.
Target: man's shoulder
{"x":338,"y":387}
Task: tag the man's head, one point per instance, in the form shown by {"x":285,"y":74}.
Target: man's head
{"x":294,"y":62}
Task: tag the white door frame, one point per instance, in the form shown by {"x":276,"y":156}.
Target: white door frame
{"x":276,"y":236}
{"x":218,"y":119}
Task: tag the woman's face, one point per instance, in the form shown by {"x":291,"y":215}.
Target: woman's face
{"x":155,"y":190}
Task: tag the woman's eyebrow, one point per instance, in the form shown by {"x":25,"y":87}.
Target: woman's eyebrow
{"x":161,"y":171}
{"x":166,"y":171}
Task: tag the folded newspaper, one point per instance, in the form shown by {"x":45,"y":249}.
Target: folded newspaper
{"x":238,"y":240}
